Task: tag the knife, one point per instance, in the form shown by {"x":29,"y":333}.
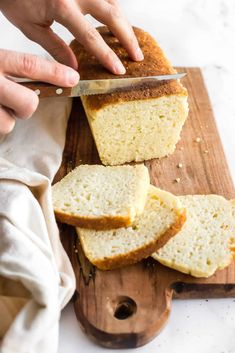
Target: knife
{"x":90,"y":87}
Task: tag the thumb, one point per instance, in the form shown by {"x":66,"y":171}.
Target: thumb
{"x":53,"y":44}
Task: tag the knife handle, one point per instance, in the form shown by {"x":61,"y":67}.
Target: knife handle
{"x":45,"y":90}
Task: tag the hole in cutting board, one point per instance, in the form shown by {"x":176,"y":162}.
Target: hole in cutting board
{"x":125,"y":308}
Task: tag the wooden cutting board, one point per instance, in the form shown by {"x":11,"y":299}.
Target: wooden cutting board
{"x":126,"y":308}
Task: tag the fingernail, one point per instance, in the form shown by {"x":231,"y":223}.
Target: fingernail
{"x":72,"y":77}
{"x":119,"y":68}
{"x":139,"y":54}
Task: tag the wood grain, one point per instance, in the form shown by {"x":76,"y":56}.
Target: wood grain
{"x":126,"y":308}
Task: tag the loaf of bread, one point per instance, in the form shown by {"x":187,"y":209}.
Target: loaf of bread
{"x":161,"y":219}
{"x":99,"y":197}
{"x":140,"y":124}
{"x":206,"y":242}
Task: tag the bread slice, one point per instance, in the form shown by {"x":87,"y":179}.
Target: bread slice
{"x":161,"y":219}
{"x":98,"y":197}
{"x":206,"y":241}
{"x":141,"y":123}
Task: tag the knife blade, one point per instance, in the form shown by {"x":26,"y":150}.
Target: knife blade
{"x":90,"y":87}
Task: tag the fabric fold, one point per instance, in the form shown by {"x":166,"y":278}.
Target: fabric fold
{"x":36,"y":277}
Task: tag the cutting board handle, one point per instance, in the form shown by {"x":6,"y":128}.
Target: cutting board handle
{"x":121,"y":316}
{"x":120,"y":328}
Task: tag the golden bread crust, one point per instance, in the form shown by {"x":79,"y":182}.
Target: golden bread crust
{"x":97,"y":223}
{"x":154,"y":63}
{"x":143,"y":252}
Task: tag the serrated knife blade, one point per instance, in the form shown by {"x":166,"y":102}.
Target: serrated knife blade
{"x":90,"y":87}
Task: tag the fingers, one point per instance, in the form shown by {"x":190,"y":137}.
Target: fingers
{"x":109,"y":13}
{"x":36,"y":68}
{"x":53,"y":44}
{"x":7,"y":121}
{"x":21,"y":100}
{"x":73,"y":19}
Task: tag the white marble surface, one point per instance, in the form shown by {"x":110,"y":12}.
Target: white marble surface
{"x":193,"y":33}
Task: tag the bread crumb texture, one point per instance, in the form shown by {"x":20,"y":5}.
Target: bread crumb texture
{"x":162,"y":218}
{"x":94,"y":193}
{"x":138,"y":130}
{"x":206,"y":241}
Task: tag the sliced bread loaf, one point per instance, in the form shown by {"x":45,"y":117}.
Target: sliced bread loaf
{"x":161,"y":219}
{"x":98,"y":197}
{"x":206,"y":241}
{"x":138,"y":124}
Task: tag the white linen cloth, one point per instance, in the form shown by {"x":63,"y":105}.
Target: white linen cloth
{"x":36,"y":277}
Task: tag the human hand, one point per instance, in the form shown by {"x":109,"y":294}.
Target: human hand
{"x":35,"y":17}
{"x":16,"y":100}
